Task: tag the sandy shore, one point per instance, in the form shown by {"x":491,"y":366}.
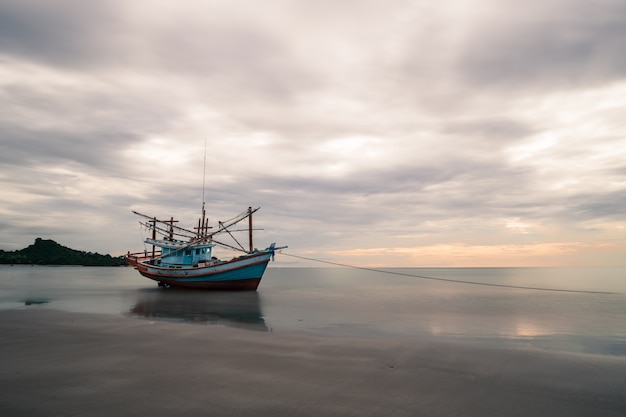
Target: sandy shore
{"x":55,"y":363}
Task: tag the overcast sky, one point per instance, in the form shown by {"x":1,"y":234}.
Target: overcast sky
{"x":374,"y":133}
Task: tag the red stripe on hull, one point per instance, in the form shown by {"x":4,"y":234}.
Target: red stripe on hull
{"x":230,"y":285}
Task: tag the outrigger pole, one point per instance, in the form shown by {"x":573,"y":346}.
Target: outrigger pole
{"x":169,"y":230}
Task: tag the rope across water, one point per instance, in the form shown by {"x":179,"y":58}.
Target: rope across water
{"x":382,"y":271}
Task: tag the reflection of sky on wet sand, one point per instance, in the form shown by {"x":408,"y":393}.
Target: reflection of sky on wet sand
{"x":358,"y":302}
{"x":344,"y":302}
{"x":236,"y":309}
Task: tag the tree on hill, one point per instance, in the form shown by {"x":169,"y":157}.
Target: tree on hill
{"x":49,"y":252}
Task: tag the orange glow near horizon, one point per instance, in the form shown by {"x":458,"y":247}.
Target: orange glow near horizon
{"x":509,"y":255}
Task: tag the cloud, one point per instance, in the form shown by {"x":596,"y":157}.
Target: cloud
{"x":62,"y":33}
{"x":548,"y":45}
{"x":355,"y":125}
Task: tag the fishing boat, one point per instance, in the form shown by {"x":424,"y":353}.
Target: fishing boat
{"x":182,"y":257}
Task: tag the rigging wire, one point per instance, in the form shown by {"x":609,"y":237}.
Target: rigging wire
{"x":520,"y":287}
{"x":141,"y":227}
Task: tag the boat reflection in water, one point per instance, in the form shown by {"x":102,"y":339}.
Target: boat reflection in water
{"x":241,"y":309}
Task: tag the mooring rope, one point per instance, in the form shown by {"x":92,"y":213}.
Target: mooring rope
{"x":382,"y":271}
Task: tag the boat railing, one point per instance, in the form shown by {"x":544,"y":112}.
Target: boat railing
{"x":137,"y":257}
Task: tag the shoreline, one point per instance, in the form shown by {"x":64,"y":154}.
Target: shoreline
{"x":61,"y":363}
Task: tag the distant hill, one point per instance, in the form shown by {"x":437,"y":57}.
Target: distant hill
{"x":49,"y":252}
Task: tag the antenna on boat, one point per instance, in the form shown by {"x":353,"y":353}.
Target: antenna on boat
{"x":203,"y":232}
{"x":203,"y":174}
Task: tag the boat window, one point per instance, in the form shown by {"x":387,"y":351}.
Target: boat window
{"x":197,"y":251}
{"x":187,"y":253}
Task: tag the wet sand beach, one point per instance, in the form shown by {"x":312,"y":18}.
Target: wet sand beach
{"x":60,"y":363}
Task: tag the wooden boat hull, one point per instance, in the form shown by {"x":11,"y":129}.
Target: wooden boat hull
{"x":242,"y":273}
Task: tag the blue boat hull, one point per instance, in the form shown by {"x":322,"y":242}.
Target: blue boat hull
{"x":243,"y":273}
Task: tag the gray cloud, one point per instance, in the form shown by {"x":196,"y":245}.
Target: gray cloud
{"x":93,"y":149}
{"x":354,"y":125}
{"x":65,"y":33}
{"x":550,"y":45}
{"x":600,"y":205}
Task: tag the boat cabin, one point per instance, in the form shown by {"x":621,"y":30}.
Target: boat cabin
{"x":178,"y":254}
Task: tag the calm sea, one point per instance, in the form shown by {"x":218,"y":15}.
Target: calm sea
{"x":350,"y":302}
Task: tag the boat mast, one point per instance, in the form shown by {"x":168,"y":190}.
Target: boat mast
{"x":250,"y":228}
{"x":171,"y":221}
{"x":153,"y":221}
{"x":205,"y":222}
